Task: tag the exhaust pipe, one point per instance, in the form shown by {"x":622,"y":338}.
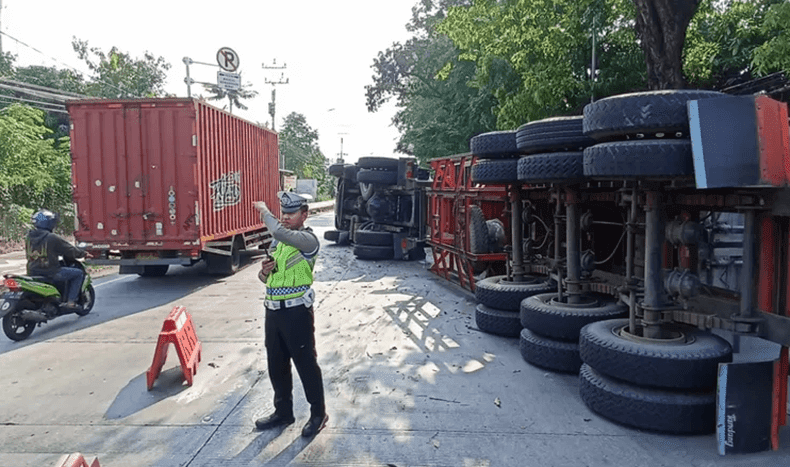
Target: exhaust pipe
{"x":33,"y":315}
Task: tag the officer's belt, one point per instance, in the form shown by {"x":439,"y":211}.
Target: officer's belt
{"x":289,"y":303}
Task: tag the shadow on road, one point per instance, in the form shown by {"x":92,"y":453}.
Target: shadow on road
{"x":134,"y":397}
{"x":118,"y":296}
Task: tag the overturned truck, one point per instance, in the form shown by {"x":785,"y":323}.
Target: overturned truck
{"x":650,"y":234}
{"x":380,"y":208}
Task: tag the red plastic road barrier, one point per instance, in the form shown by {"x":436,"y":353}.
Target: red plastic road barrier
{"x":76,"y":460}
{"x":179,"y":330}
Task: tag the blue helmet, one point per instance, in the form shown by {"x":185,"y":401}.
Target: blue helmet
{"x":45,"y":219}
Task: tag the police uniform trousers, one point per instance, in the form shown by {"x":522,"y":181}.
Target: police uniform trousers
{"x":290,"y":335}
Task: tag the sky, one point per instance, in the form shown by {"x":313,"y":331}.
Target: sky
{"x":327,"y":47}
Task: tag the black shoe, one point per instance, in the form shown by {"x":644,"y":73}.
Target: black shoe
{"x":314,"y":425}
{"x":272,"y":421}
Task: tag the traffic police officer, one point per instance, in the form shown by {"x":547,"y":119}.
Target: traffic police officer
{"x":289,"y":329}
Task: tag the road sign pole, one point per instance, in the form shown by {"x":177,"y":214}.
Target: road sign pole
{"x":188,"y":79}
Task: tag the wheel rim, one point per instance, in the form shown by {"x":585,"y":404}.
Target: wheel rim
{"x":527,"y":279}
{"x":588,"y":302}
{"x":669,"y":337}
{"x":17,"y":324}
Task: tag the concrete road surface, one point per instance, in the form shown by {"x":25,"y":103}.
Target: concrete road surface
{"x":409,"y":381}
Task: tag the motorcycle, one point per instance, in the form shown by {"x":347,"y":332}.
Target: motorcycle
{"x":34,"y":300}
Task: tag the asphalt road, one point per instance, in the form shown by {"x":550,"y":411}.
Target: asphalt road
{"x":409,"y":381}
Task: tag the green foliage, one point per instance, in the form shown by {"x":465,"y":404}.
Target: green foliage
{"x":6,"y":63}
{"x":299,"y":148}
{"x":35,"y":170}
{"x":774,"y":53}
{"x":438,"y":110}
{"x":118,"y":75}
{"x":547,"y":46}
{"x":725,"y":36}
{"x":61,"y":79}
{"x":234,"y":97}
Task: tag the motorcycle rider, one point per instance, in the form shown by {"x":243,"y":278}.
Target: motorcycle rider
{"x":43,"y":250}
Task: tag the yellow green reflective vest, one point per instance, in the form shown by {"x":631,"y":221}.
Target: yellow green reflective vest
{"x":292,"y":276}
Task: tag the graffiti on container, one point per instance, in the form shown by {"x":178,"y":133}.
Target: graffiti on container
{"x":226,"y":191}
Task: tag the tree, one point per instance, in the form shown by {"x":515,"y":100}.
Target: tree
{"x":54,"y":80}
{"x":774,"y":53}
{"x":661,"y":30}
{"x":535,"y":56}
{"x":301,"y":154}
{"x":61,"y":79}
{"x":35,"y":170}
{"x":118,"y":75}
{"x":438,"y":111}
{"x":725,"y":40}
{"x":234,"y":97}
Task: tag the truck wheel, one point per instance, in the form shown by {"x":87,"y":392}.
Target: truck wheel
{"x":545,"y":315}
{"x":688,"y":358}
{"x":225,"y":265}
{"x":158,"y":270}
{"x":495,"y":171}
{"x":350,"y":172}
{"x":495,"y":145}
{"x":495,"y":321}
{"x":478,"y":231}
{"x":377,"y":163}
{"x":552,"y":134}
{"x":639,"y":159}
{"x":366,"y":190}
{"x":548,"y":353}
{"x":340,"y":199}
{"x":641,"y":113}
{"x":336,"y":170}
{"x":558,"y":166}
{"x":417,"y":253}
{"x":16,"y":328}
{"x":504,"y":294}
{"x":373,"y":252}
{"x":374,"y":238}
{"x":646,"y":408}
{"x":380,"y":177}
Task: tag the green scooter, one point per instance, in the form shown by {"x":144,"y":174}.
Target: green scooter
{"x":33,"y":300}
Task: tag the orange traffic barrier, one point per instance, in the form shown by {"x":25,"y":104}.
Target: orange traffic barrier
{"x":76,"y":460}
{"x":179,"y":330}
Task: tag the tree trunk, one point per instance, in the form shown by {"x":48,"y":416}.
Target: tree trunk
{"x":661,"y":29}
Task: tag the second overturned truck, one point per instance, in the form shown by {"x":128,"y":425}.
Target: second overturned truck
{"x":380,"y":207}
{"x":161,"y":182}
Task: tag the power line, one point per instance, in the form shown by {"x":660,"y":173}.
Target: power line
{"x":45,"y":105}
{"x":42,"y":88}
{"x":41,"y":94}
{"x":65,"y":65}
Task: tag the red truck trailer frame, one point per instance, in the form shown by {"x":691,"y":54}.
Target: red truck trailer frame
{"x":169,"y":181}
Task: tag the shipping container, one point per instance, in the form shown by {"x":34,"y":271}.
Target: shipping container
{"x":169,"y":181}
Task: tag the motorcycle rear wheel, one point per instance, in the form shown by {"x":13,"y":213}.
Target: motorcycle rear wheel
{"x":16,"y":328}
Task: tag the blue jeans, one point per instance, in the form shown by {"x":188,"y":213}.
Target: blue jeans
{"x":72,"y":277}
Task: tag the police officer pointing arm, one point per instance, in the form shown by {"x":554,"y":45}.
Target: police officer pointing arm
{"x":289,"y":328}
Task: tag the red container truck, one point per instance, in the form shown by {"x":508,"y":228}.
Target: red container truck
{"x":169,"y":181}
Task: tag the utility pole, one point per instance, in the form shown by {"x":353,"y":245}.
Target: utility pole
{"x":1,"y":36}
{"x":282,"y":80}
{"x":340,"y":155}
